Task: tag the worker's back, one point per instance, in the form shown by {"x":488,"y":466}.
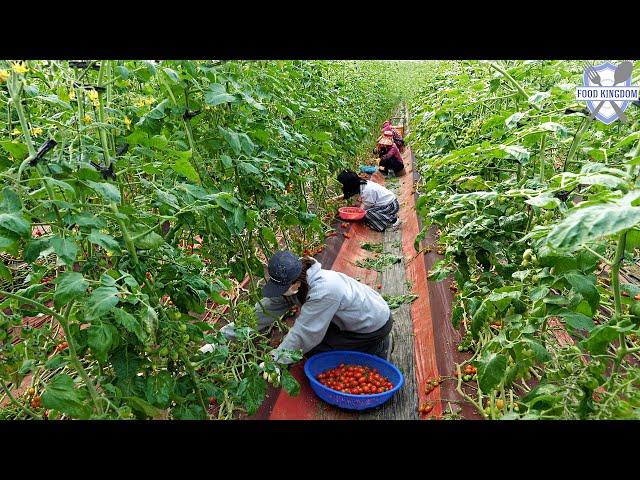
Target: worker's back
{"x":361,"y":310}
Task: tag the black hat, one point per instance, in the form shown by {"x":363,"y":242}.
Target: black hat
{"x":350,"y":183}
{"x":284,"y":269}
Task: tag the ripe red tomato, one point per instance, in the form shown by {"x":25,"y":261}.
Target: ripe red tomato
{"x":354,"y":379}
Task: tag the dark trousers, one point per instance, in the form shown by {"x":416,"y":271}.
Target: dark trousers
{"x":374,"y":343}
{"x":392,"y":164}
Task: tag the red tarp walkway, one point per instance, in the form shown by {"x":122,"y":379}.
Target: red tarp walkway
{"x":306,"y":406}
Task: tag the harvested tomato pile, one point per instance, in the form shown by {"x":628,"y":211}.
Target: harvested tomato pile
{"x":355,"y":379}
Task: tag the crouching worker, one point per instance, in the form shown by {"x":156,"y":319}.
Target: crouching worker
{"x":336,"y":311}
{"x":390,"y":158}
{"x":381,"y":204}
{"x":397,"y":138}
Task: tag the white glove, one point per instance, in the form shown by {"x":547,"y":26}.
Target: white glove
{"x":273,"y":377}
{"x":208,"y":348}
{"x":229,"y":331}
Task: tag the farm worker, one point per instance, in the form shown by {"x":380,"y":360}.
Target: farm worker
{"x":336,"y":311}
{"x":390,"y":158}
{"x":381,"y":204}
{"x":397,"y":138}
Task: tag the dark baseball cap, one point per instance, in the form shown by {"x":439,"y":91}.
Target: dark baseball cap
{"x":284,"y":268}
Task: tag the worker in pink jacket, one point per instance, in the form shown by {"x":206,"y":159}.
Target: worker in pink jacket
{"x":397,"y":138}
{"x":390,"y":158}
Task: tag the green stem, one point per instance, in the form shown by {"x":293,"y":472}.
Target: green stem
{"x":35,"y":303}
{"x":26,"y":410}
{"x":576,"y":139}
{"x":75,"y":361}
{"x":513,"y":82}
{"x":101,"y":131}
{"x":125,"y":234}
{"x":615,"y":274}
{"x":541,"y":156}
{"x":194,"y":378}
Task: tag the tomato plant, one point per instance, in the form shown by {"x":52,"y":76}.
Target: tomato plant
{"x":136,"y":196}
{"x":537,"y":209}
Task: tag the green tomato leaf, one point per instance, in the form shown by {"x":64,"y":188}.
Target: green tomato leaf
{"x":11,"y":202}
{"x":578,"y":321}
{"x":129,"y":322}
{"x":17,"y":150}
{"x":232,"y":139}
{"x":62,"y":395}
{"x":149,"y":241}
{"x":491,"y":371}
{"x":217,"y":95}
{"x":599,"y":339}
{"x":15,"y":223}
{"x":586,"y":286}
{"x":183,"y":167}
{"x":289,"y":383}
{"x":65,"y":249}
{"x":69,"y":285}
{"x":101,"y":301}
{"x":100,"y":339}
{"x":103,"y":240}
{"x":142,"y":408}
{"x":591,"y":223}
{"x":35,"y":248}
{"x":108,"y":191}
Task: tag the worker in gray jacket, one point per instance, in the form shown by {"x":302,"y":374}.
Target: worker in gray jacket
{"x":336,"y":311}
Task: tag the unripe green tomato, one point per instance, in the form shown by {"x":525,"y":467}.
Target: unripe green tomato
{"x":635,"y":309}
{"x":182,"y":327}
{"x":525,"y":263}
{"x":174,"y":355}
{"x":466,"y":378}
{"x":186,"y":338}
{"x":164,"y":351}
{"x":527,"y":254}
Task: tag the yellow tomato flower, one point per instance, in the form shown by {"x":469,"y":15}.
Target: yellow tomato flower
{"x":36,"y":131}
{"x":72,"y":94}
{"x":19,"y":67}
{"x":139,"y":103}
{"x":93,"y":96}
{"x":149,"y":101}
{"x":87,"y":120}
{"x":4,"y":74}
{"x":16,"y":132}
{"x":127,"y":122}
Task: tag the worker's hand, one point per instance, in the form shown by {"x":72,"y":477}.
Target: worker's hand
{"x":208,"y":348}
{"x":271,"y":374}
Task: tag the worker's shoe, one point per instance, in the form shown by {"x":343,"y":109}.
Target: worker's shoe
{"x":389,"y":347}
{"x":396,"y":225}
